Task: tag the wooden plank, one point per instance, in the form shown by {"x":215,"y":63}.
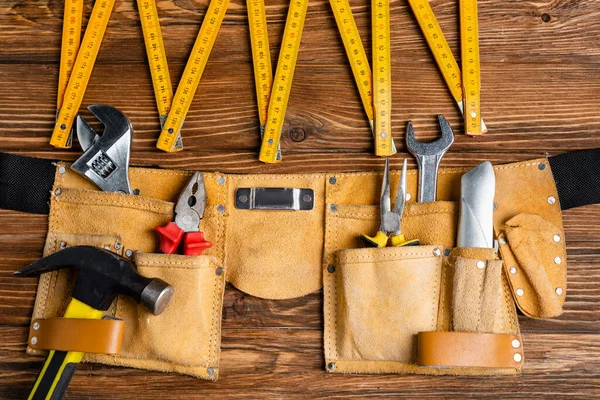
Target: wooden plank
{"x":284,"y":363}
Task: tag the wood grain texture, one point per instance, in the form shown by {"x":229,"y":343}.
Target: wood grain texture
{"x":541,"y":86}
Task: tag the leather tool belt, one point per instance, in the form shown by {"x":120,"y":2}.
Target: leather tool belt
{"x":427,"y":309}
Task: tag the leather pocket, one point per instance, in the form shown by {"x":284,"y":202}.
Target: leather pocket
{"x":385,"y":297}
{"x":186,"y":337}
{"x":534,"y":253}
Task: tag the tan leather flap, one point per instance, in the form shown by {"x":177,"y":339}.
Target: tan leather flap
{"x":103,"y":336}
{"x":466,"y":349}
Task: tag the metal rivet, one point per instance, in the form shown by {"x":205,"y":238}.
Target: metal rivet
{"x":170,"y":130}
{"x":331,"y":268}
{"x":210,"y":371}
{"x":556,"y":238}
{"x":58,"y":191}
{"x":332,"y":180}
{"x":408,"y":197}
{"x":473,"y":114}
{"x":447,"y":252}
{"x":62,"y":245}
{"x":63,"y":127}
{"x":136,"y":192}
{"x":481,"y":264}
{"x":221,"y":181}
{"x":517,"y":357}
{"x":307,"y":198}
{"x":221,"y":208}
{"x":332,"y":208}
{"x":437,"y":252}
{"x":513,"y":270}
{"x":62,"y":170}
{"x":107,"y":247}
{"x":541,"y":166}
{"x":559,"y":291}
{"x":502,"y":240}
{"x":520,"y":292}
{"x":219,"y":271}
{"x":331,"y":366}
{"x":128,"y":252}
{"x":243,"y":198}
{"x":34,"y":340}
{"x":557,"y":260}
{"x":36,"y":326}
{"x":495,"y":206}
{"x":118,"y":246}
{"x":516,"y":344}
{"x":551,"y":200}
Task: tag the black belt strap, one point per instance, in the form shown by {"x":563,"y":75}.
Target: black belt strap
{"x":26,"y":182}
{"x":577,"y":176}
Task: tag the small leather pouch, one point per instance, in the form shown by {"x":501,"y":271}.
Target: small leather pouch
{"x":534,"y":251}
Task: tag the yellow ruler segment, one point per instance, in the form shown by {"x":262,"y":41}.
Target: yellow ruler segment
{"x":382,"y":77}
{"x":355,"y":52}
{"x":441,"y":50}
{"x":357,"y":57}
{"x":71,"y":36}
{"x":261,"y":60}
{"x":469,"y":41}
{"x":191,"y":75}
{"x":157,"y":60}
{"x":282,"y":83}
{"x":82,"y":70}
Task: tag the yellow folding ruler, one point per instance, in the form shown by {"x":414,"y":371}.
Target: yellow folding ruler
{"x":469,"y":43}
{"x":382,"y":77}
{"x":157,"y":60}
{"x":71,"y":36}
{"x":261,"y":60}
{"x":443,"y":55}
{"x":82,"y":70}
{"x":282,"y":83}
{"x":191,"y":75}
{"x":356,"y":55}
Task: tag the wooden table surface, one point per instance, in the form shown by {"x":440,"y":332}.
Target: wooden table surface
{"x":540,"y":95}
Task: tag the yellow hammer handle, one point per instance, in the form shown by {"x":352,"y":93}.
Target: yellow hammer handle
{"x":59,"y":367}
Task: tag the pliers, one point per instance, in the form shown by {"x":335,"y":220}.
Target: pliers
{"x":188,"y":213}
{"x":391,"y":221}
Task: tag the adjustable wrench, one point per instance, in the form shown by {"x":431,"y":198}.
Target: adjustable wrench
{"x":105,"y":160}
{"x":428,"y":157}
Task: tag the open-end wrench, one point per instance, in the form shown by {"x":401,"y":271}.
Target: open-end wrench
{"x":428,"y":157}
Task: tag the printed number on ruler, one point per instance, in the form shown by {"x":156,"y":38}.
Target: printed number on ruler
{"x":282,"y":83}
{"x":192,"y":74}
{"x":469,"y":38}
{"x":382,"y":77}
{"x":82,"y":70}
{"x":441,"y":50}
{"x":157,"y":60}
{"x":71,"y":37}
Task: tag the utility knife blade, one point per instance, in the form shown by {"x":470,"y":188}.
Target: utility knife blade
{"x":476,"y":221}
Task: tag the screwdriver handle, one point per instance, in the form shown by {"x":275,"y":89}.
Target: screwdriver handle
{"x":194,"y":244}
{"x":170,"y":237}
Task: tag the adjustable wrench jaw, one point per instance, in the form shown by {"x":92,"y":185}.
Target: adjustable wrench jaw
{"x":105,"y":160}
{"x":429,"y":156}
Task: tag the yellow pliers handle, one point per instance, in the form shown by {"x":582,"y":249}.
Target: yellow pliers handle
{"x":379,"y":240}
{"x":400,"y":241}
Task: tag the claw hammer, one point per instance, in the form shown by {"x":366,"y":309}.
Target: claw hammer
{"x":101,"y":276}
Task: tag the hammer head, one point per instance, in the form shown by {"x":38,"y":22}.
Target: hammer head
{"x":102,"y":275}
